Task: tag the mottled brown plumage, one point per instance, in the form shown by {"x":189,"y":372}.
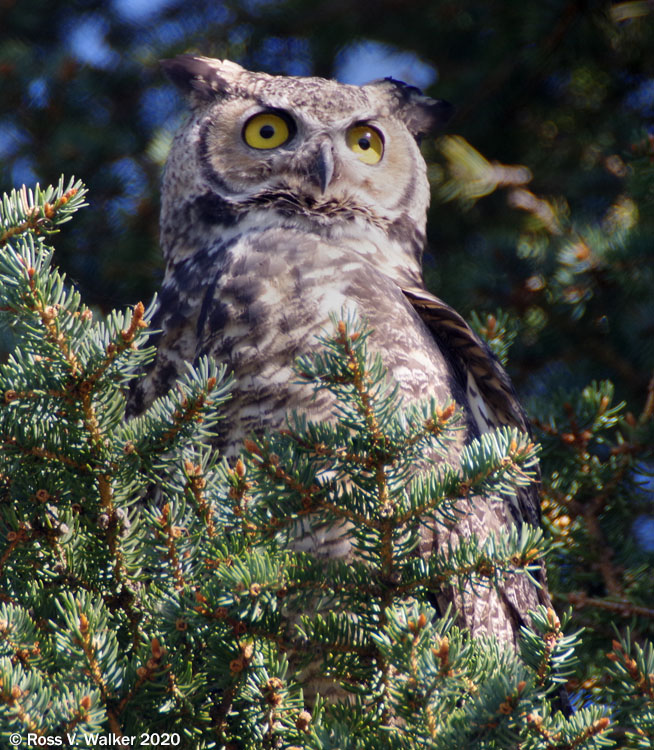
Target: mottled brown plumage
{"x":263,"y":238}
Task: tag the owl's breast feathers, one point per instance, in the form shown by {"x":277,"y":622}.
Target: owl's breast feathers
{"x":256,"y":299}
{"x":260,"y":299}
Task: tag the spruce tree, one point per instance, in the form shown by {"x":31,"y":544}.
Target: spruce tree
{"x":148,"y":587}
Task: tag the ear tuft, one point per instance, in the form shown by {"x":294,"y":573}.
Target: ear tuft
{"x":198,"y":76}
{"x":421,"y":114}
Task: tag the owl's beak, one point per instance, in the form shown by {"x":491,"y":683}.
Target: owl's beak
{"x":323,"y":167}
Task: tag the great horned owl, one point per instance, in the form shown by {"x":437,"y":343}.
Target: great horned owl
{"x":287,"y":199}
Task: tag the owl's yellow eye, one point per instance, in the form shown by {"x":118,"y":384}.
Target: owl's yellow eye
{"x":266,"y":130}
{"x":366,"y":142}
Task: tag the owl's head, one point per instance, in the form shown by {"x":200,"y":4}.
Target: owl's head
{"x":327,"y":151}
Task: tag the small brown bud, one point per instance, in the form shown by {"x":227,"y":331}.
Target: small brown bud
{"x":582,"y":251}
{"x":83,"y":623}
{"x":601,"y":724}
{"x":553,"y":619}
{"x":236,"y":665}
{"x":251,"y":447}
{"x":303,"y":721}
{"x":181,"y":624}
{"x":156,"y":649}
{"x":85,"y":703}
{"x":446,"y":413}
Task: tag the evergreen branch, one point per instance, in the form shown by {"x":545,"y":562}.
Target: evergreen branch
{"x":127,"y":340}
{"x":547,"y":650}
{"x":490,"y":466}
{"x":40,"y":452}
{"x":171,"y":533}
{"x":239,"y":488}
{"x":262,"y":457}
{"x":623,"y":607}
{"x":587,"y":731}
{"x":480,"y":563}
{"x":15,"y":539}
{"x":80,"y":716}
{"x":196,"y":483}
{"x":48,"y":315}
{"x":17,"y":702}
{"x":19,"y":637}
{"x":498,"y":332}
{"x":189,"y":411}
{"x":39,"y":211}
{"x":88,"y":636}
{"x":635,"y":675}
{"x":145,"y":674}
{"x":338,"y":632}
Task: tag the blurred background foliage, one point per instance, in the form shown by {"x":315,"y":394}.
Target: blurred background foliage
{"x":543,"y":199}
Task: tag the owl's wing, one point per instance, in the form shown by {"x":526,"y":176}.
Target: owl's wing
{"x":491,"y":396}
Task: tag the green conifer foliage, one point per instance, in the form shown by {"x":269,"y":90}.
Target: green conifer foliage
{"x":147,"y":587}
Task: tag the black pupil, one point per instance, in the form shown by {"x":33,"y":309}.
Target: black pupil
{"x":267,"y":131}
{"x":364,"y":143}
